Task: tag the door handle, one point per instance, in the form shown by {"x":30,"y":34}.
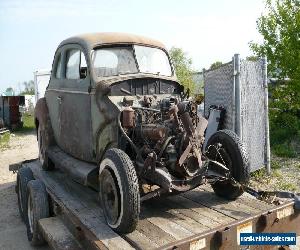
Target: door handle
{"x":59,"y":99}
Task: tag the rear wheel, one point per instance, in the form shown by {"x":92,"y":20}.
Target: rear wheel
{"x":119,"y":191}
{"x":37,"y":208}
{"x":226,"y":147}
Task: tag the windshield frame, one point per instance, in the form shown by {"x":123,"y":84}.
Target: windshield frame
{"x":131,"y":45}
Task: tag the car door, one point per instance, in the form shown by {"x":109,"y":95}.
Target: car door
{"x":52,"y":93}
{"x":75,"y":99}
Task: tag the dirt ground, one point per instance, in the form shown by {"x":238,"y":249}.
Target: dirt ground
{"x":12,"y":229}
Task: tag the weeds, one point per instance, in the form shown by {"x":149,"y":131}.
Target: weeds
{"x":4,"y":140}
{"x":275,"y":165}
{"x":287,"y":186}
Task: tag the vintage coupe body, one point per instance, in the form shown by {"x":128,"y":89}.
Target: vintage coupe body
{"x":115,"y":110}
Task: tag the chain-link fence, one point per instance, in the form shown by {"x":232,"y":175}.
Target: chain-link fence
{"x":240,"y":87}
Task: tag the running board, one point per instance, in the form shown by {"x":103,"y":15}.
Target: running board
{"x":57,"y":234}
{"x":80,"y":171}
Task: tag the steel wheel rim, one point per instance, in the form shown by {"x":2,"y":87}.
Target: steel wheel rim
{"x":110,"y":197}
{"x":30,"y":214}
{"x":222,"y":156}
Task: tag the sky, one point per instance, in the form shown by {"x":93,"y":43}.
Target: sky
{"x":208,"y":31}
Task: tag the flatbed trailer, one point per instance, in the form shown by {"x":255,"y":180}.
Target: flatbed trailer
{"x":197,"y":219}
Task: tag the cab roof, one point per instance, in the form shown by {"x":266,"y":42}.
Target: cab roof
{"x":92,"y":40}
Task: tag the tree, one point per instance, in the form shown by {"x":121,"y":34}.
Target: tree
{"x":183,"y":68}
{"x":215,"y":65}
{"x":252,"y":58}
{"x":9,"y":91}
{"x":28,"y":88}
{"x":280,"y":28}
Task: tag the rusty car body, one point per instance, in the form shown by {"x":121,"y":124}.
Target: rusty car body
{"x":117,"y":117}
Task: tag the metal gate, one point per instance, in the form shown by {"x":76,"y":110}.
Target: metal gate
{"x":240,"y":86}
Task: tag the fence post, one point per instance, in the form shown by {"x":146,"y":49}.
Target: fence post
{"x":237,"y":95}
{"x":266,"y":106}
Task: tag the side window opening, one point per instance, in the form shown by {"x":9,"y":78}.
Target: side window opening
{"x":83,"y":66}
{"x":73,"y":62}
{"x":58,"y":67}
{"x":76,"y":67}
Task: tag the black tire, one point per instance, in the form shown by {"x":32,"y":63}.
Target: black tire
{"x":37,"y":208}
{"x":237,"y":160}
{"x":46,"y":162}
{"x":23,"y":177}
{"x":119,"y":191}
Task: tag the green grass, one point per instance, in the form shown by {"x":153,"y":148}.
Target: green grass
{"x":28,"y":123}
{"x":275,"y":165}
{"x":4,"y":140}
{"x":287,"y":186}
{"x":28,"y":126}
{"x":259,"y":174}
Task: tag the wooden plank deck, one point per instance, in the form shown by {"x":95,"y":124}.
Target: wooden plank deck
{"x":162,"y":221}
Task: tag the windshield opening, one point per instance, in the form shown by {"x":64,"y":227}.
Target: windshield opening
{"x":113,"y":61}
{"x":152,"y":60}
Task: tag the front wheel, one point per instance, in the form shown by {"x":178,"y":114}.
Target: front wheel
{"x":119,"y":191}
{"x":226,"y":148}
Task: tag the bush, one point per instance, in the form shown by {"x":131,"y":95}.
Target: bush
{"x":284,"y":129}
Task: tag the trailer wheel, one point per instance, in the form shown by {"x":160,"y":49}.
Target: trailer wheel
{"x":37,"y":208}
{"x":46,"y":162}
{"x":23,"y":177}
{"x":119,"y":191}
{"x":232,"y":153}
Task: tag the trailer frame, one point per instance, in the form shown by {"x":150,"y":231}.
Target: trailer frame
{"x":90,"y":231}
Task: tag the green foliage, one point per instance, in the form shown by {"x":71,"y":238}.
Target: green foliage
{"x":280,"y":28}
{"x":4,"y":140}
{"x":252,"y":58}
{"x":216,"y":65}
{"x":183,"y":68}
{"x":28,"y":88}
{"x":28,"y":121}
{"x":284,"y":150}
{"x":9,"y":91}
{"x":284,"y":129}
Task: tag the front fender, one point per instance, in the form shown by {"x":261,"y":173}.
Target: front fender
{"x":42,"y":120}
{"x":41,"y":113}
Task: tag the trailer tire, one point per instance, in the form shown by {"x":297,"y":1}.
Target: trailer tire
{"x":237,"y":159}
{"x":119,"y":191}
{"x":46,"y":162}
{"x":38,"y":208}
{"x":23,"y":177}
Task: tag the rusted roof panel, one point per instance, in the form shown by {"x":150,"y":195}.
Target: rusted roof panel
{"x":92,"y":40}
